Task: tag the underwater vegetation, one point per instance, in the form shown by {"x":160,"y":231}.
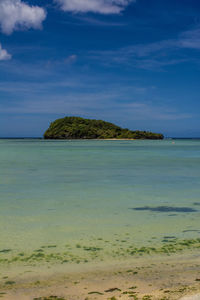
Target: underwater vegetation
{"x":165,"y":209}
{"x":5,"y":250}
{"x":85,"y":254}
{"x":49,"y":298}
{"x":97,"y":293}
{"x":9,"y":282}
{"x":112,"y":290}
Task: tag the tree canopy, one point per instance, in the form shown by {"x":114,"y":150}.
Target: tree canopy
{"x":80,"y":128}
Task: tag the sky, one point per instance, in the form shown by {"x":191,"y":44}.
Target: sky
{"x":135,"y":63}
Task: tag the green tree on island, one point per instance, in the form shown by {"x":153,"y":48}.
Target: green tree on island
{"x":80,"y":128}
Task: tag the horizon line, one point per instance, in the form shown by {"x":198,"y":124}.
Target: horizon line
{"x":42,"y":138}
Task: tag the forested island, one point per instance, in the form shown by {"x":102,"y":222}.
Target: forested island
{"x":80,"y":128}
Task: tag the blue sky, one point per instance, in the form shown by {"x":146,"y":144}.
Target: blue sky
{"x":134,"y":63}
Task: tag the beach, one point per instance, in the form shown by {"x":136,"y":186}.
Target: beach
{"x":99,"y":150}
{"x":164,"y":277}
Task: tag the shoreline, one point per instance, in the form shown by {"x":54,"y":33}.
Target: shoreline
{"x":111,"y":139}
{"x":142,"y":278}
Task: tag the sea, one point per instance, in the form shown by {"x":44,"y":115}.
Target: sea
{"x":81,"y":200}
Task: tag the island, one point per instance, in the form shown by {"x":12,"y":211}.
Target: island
{"x":80,"y":128}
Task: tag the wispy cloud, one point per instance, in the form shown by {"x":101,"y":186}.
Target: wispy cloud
{"x":16,"y":14}
{"x":94,"y":6}
{"x":78,"y":97}
{"x":70,"y":59}
{"x":152,"y":56}
{"x":150,"y":111}
{"x":4,"y":55}
{"x":190,"y":39}
{"x":88,"y":20}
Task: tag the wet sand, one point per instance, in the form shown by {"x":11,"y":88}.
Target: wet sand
{"x":145,"y":278}
{"x":193,"y":297}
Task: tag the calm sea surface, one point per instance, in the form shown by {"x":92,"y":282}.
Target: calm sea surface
{"x":62,"y":192}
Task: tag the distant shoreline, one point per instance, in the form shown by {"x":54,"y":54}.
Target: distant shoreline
{"x":41,"y":138}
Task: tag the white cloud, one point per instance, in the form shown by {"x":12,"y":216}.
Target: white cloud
{"x":4,"y":55}
{"x":16,"y":14}
{"x":190,"y":39}
{"x":71,"y":59}
{"x":94,"y":6}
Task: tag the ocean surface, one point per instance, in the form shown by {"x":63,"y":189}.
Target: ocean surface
{"x":93,"y":193}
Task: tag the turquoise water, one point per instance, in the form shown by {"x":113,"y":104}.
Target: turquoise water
{"x":63,"y":192}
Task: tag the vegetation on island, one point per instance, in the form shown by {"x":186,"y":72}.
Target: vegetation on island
{"x":80,"y":128}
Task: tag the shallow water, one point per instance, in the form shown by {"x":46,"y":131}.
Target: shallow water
{"x":97,"y":193}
